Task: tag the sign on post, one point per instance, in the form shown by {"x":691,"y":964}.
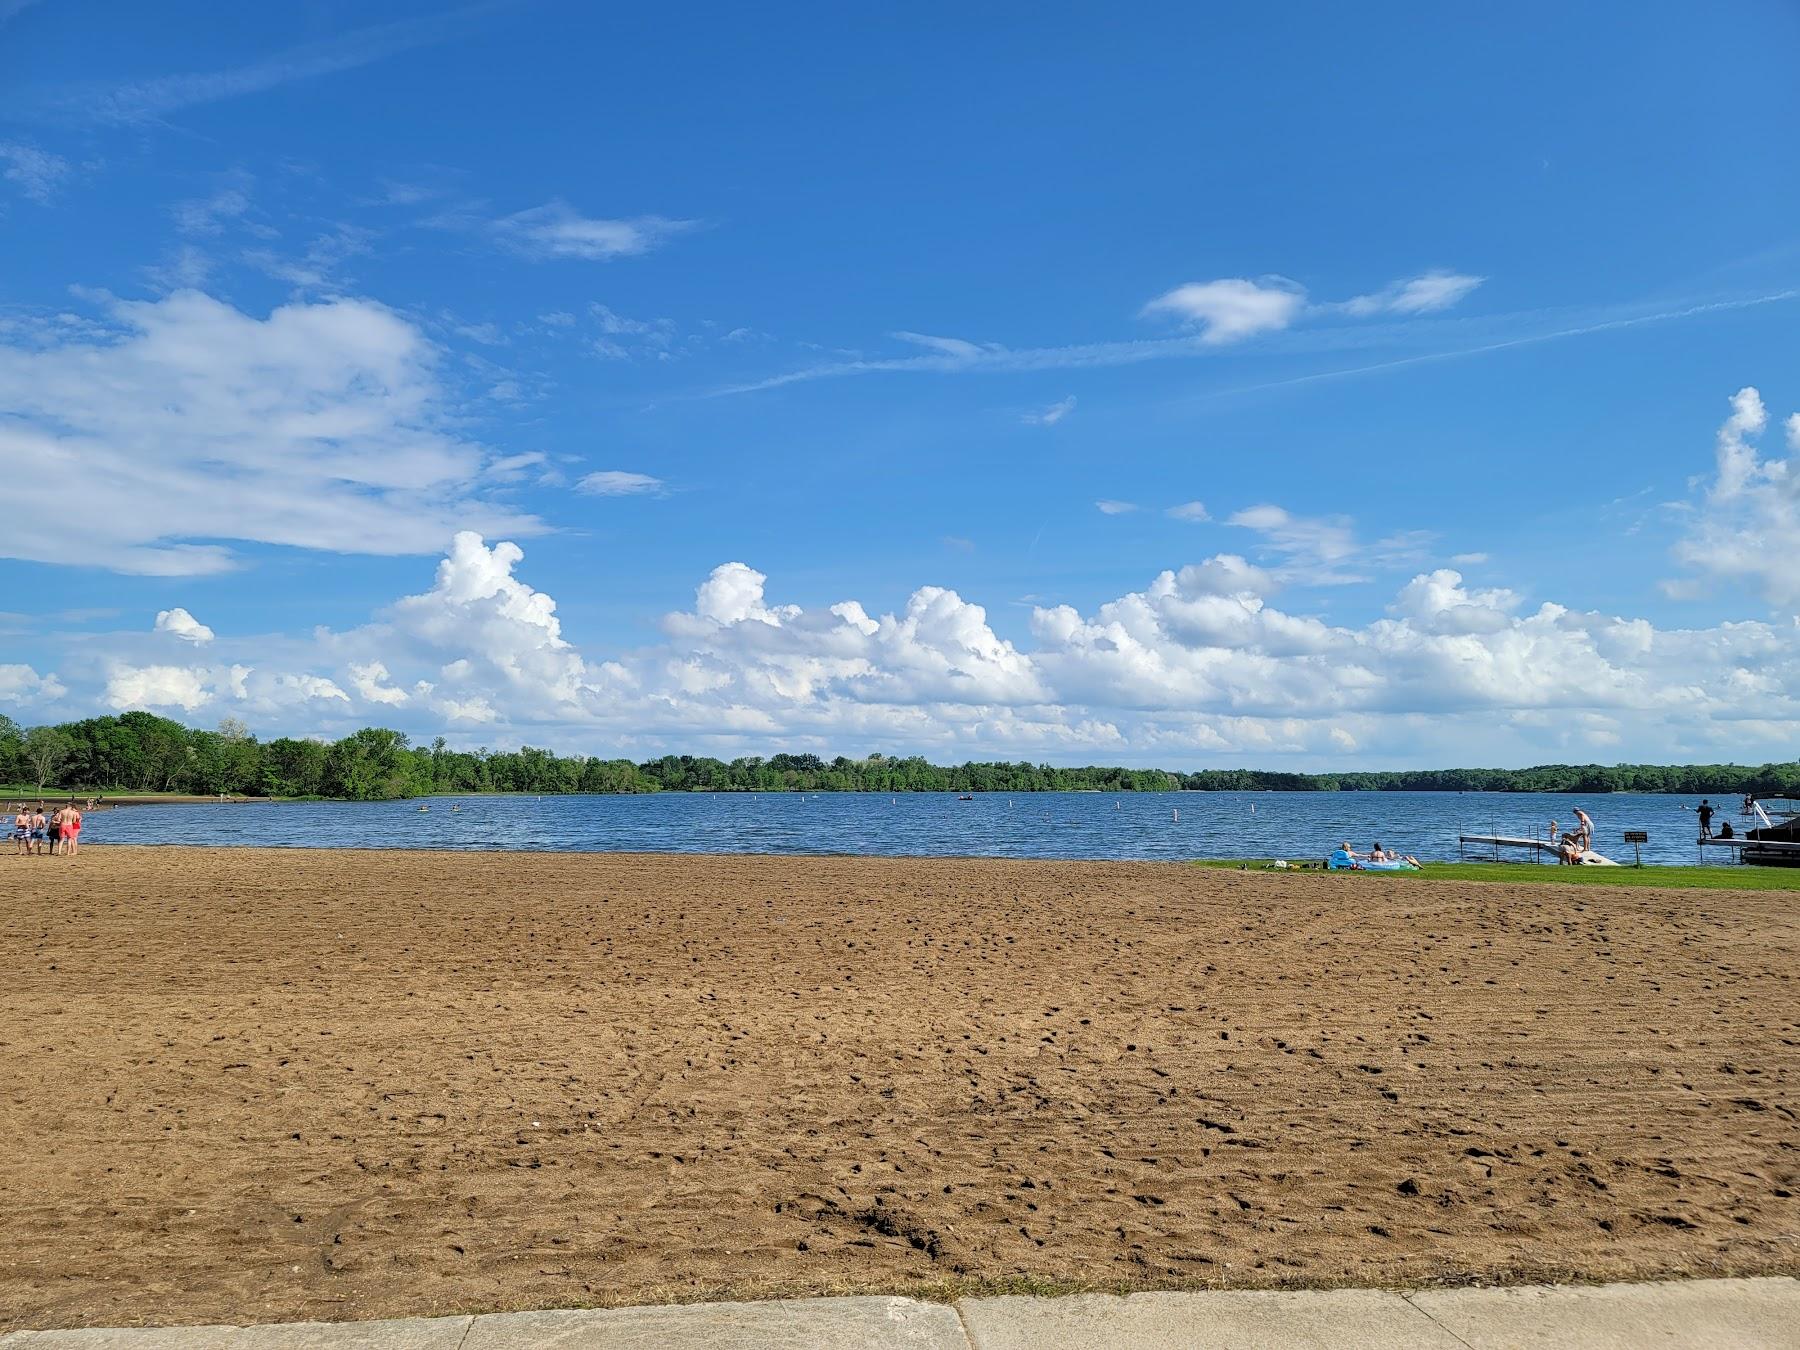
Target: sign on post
{"x":1637,"y":839}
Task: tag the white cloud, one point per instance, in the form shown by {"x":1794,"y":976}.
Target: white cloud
{"x":1438,"y":602}
{"x":1747,"y":525}
{"x":178,"y":623}
{"x":1190,"y":511}
{"x":148,"y":100}
{"x":1424,"y":294}
{"x":957,"y":349}
{"x":558,"y":230}
{"x":321,"y":266}
{"x":620,"y":483}
{"x":188,"y":422}
{"x":36,"y":173}
{"x":1468,"y":559}
{"x":1328,"y":539}
{"x":1204,"y":659}
{"x":1233,"y":308}
{"x":369,"y":680}
{"x":292,"y":689}
{"x":1107,"y":507}
{"x":505,"y":636}
{"x":183,"y":268}
{"x":1049,"y":417}
{"x":183,"y":687}
{"x":208,"y":215}
{"x":23,"y":685}
{"x":1504,"y":332}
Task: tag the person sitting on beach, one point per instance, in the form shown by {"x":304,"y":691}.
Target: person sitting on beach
{"x":1393,"y":855}
{"x":1345,"y":857}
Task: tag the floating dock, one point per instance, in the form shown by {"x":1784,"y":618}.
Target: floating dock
{"x":1497,"y":842}
{"x":1764,"y":852}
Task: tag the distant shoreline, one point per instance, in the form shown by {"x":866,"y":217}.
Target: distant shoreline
{"x":112,"y":797}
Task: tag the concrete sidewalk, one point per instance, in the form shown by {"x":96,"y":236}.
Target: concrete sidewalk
{"x":1739,"y":1314}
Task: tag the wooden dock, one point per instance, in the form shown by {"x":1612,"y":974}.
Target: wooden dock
{"x":1497,"y":842}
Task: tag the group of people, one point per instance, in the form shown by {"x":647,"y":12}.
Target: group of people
{"x":59,"y":832}
{"x":1381,"y":859}
{"x":1706,"y":812}
{"x":1574,"y":845}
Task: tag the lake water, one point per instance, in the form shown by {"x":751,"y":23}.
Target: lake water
{"x":999,"y":824}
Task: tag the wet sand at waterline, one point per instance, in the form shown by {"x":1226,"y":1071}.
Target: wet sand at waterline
{"x":262,"y":1085}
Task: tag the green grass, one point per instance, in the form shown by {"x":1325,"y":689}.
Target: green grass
{"x":1735,"y":878}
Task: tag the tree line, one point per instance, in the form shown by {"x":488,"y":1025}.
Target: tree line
{"x":138,"y":751}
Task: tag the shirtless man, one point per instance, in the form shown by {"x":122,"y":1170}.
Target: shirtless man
{"x":1586,"y":833}
{"x":22,"y":830}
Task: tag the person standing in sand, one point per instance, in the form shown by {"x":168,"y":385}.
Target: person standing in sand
{"x":71,"y":831}
{"x":22,"y":830}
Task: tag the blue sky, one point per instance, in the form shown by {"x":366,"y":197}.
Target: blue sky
{"x":1185,"y":385}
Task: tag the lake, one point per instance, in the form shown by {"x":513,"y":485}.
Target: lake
{"x":1169,"y":825}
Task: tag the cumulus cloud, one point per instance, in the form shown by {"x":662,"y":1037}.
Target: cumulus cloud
{"x":369,"y":679}
{"x":1746,"y":526}
{"x":1203,"y":659}
{"x":157,"y":687}
{"x":322,"y":426}
{"x":506,"y":635}
{"x":557,"y":230}
{"x":178,"y":623}
{"x":621,"y":483}
{"x":1233,"y":308}
{"x":23,"y":685}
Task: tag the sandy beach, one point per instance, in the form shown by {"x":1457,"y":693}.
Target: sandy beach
{"x":269,"y":1085}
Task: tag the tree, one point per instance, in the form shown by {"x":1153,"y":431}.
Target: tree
{"x":45,"y":750}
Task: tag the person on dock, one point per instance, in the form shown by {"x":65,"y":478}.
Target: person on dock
{"x":1584,"y":835}
{"x":1705,"y":812}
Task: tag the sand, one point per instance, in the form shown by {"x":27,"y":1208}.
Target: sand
{"x":261,"y":1085}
